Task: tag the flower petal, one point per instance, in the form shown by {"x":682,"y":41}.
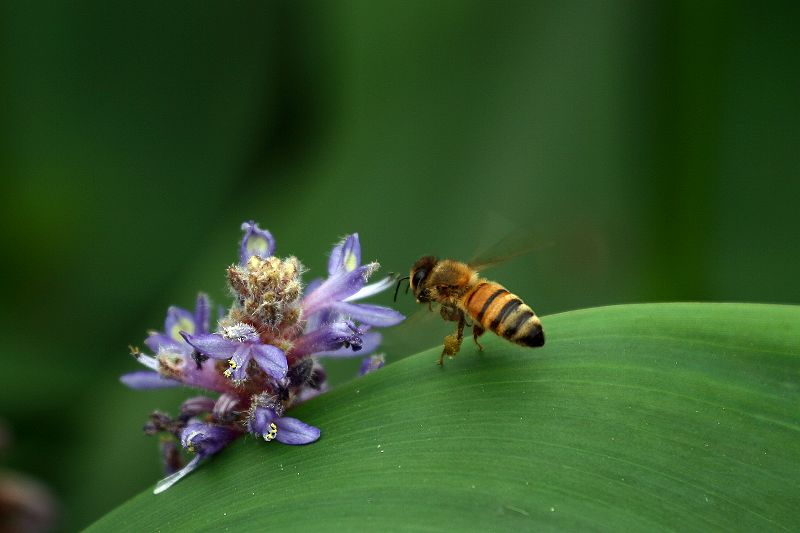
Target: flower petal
{"x":206,"y":439}
{"x":371,"y":289}
{"x":224,"y":406}
{"x":202,"y":311}
{"x":369,"y":343}
{"x":171,"y":479}
{"x":293,"y":431}
{"x":156,"y":341}
{"x":259,"y":421}
{"x":338,"y":288}
{"x":212,"y":345}
{"x":256,"y":241}
{"x":239,"y":362}
{"x":147,"y":360}
{"x":327,"y":338}
{"x":373,"y":315}
{"x":197,"y":405}
{"x":345,"y":256}
{"x":145,"y":379}
{"x":179,"y":320}
{"x":271,"y":359}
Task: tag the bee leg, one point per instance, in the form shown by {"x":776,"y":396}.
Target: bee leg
{"x":452,"y":343}
{"x":451,"y":314}
{"x":477,"y":331}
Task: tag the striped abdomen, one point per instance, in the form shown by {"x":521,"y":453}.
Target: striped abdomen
{"x":503,"y":313}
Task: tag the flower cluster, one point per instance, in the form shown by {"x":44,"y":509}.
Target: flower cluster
{"x":262,"y":357}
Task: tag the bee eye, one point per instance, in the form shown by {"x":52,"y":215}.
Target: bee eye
{"x":419,"y":275}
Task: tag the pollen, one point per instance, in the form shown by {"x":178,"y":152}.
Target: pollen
{"x":229,"y":371}
{"x":272,"y":433}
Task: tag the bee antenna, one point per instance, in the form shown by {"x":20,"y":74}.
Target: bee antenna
{"x":397,"y":288}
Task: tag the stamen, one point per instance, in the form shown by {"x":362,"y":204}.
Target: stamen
{"x":273,"y":432}
{"x":229,"y":371}
{"x":147,"y":360}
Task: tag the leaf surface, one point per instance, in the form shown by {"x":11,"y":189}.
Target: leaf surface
{"x":653,"y":416}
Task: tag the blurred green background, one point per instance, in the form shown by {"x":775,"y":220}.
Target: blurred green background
{"x":652,"y":145}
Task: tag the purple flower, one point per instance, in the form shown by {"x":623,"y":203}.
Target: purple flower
{"x":369,"y":343}
{"x":203,"y":440}
{"x":144,"y":379}
{"x":170,"y":346}
{"x":256,"y":241}
{"x":346,"y":283}
{"x":268,"y":337}
{"x":330,"y":338}
{"x":240,"y":344}
{"x":264,"y":422}
{"x":179,"y":320}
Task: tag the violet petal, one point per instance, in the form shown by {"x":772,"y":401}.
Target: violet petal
{"x":337,"y":288}
{"x":178,"y":320}
{"x":372,"y":289}
{"x":156,"y":341}
{"x":260,"y":420}
{"x":212,"y":345}
{"x":271,"y":359}
{"x":224,"y":406}
{"x":327,"y":338}
{"x":345,"y":256}
{"x":202,"y":311}
{"x":145,"y":379}
{"x":197,"y":405}
{"x":369,"y":343}
{"x":256,"y":241}
{"x":241,"y":359}
{"x":293,"y":431}
{"x":171,"y":479}
{"x":206,"y":439}
{"x":373,"y":315}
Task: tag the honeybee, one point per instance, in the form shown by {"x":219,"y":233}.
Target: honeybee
{"x":461,"y":291}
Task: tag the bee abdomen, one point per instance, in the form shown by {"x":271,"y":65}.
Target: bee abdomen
{"x":504,"y":314}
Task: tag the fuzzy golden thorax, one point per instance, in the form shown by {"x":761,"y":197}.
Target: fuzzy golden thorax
{"x":443,"y":281}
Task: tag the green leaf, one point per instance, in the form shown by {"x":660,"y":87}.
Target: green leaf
{"x":665,"y":416}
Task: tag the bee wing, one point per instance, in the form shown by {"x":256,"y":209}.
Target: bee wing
{"x":514,"y":244}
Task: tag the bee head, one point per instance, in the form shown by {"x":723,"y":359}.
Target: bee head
{"x":419,"y":272}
